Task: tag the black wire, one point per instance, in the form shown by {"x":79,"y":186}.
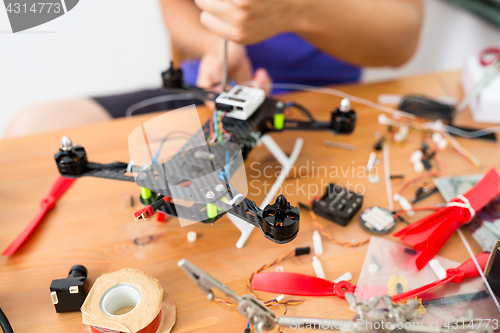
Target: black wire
{"x":303,"y":109}
{"x":253,"y":208}
{"x":4,"y":323}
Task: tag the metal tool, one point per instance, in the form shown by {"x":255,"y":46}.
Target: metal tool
{"x":490,"y":58}
{"x":224,"y":66}
{"x":386,"y":320}
{"x":339,"y":145}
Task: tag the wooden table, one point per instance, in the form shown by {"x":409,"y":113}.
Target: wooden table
{"x":92,"y":224}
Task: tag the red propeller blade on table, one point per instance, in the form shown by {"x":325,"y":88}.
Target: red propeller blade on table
{"x":58,"y":188}
{"x":299,"y":284}
{"x":455,"y":275}
{"x":432,"y":232}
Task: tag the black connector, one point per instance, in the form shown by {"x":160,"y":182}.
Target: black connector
{"x":69,"y":294}
{"x":302,"y":250}
{"x":338,"y":204}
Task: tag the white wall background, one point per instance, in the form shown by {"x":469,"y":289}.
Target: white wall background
{"x":111,"y":46}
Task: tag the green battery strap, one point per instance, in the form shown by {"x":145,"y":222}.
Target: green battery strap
{"x":145,"y":193}
{"x":211,"y":211}
{"x":279,"y":121}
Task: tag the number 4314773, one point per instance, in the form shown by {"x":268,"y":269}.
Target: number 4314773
{"x":40,"y":7}
{"x":455,"y":324}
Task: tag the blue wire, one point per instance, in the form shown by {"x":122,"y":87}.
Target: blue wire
{"x":226,"y":170}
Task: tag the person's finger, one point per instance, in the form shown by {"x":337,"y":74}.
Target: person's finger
{"x":219,"y":27}
{"x":263,"y":80}
{"x":223,"y":10}
{"x":208,"y":74}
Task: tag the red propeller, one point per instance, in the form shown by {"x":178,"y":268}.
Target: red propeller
{"x":58,"y":188}
{"x":299,"y":284}
{"x":455,"y":275}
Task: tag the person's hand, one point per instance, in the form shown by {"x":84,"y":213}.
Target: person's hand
{"x":239,"y":68}
{"x":247,"y":21}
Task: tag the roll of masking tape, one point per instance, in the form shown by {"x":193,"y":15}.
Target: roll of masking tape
{"x":128,"y":301}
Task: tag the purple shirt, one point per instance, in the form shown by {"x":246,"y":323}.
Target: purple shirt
{"x":290,"y":59}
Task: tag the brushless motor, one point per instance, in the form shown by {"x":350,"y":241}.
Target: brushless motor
{"x":343,"y":118}
{"x":71,"y":160}
{"x":281,"y":220}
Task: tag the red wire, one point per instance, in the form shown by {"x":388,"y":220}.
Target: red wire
{"x":401,"y":212}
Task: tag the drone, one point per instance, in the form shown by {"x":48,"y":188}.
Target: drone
{"x":200,"y":175}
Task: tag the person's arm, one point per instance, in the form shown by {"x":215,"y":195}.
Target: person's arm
{"x":182,"y":18}
{"x":362,"y":32}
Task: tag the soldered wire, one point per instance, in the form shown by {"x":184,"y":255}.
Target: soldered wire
{"x":281,"y":303}
{"x":332,"y":240}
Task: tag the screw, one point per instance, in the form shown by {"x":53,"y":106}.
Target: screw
{"x":280,"y":104}
{"x":210,"y":195}
{"x":219,"y":187}
{"x":66,"y":144}
{"x":143,"y":176}
{"x":345,"y":105}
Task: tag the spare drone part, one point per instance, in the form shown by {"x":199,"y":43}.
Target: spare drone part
{"x":404,"y":203}
{"x":379,"y":143}
{"x":492,"y":271}
{"x":240,"y":102}
{"x":426,"y":107}
{"x":387,"y":175}
{"x":343,"y":118}
{"x":418,"y":167}
{"x":344,"y":277}
{"x":377,"y":220}
{"x":373,"y":179}
{"x":57,"y":190}
{"x":427,"y":164}
{"x":281,"y":220}
{"x":69,"y":294}
{"x":318,"y":268}
{"x":263,"y":319}
{"x":423,"y":193}
{"x":299,"y":284}
{"x":337,"y":204}
{"x":191,"y":236}
{"x":371,"y":161}
{"x":437,"y":268}
{"x":340,"y":145}
{"x":455,"y":275}
{"x":416,"y":156}
{"x":279,"y":269}
{"x":71,"y":160}
{"x":317,"y":243}
{"x":397,"y":176}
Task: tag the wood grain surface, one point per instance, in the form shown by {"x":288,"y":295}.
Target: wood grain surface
{"x":93,"y":224}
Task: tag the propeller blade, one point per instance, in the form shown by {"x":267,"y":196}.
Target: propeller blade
{"x":455,"y":275}
{"x":293,"y":284}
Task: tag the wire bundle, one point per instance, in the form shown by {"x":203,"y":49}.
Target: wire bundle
{"x":277,"y":301}
{"x":217,"y":131}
